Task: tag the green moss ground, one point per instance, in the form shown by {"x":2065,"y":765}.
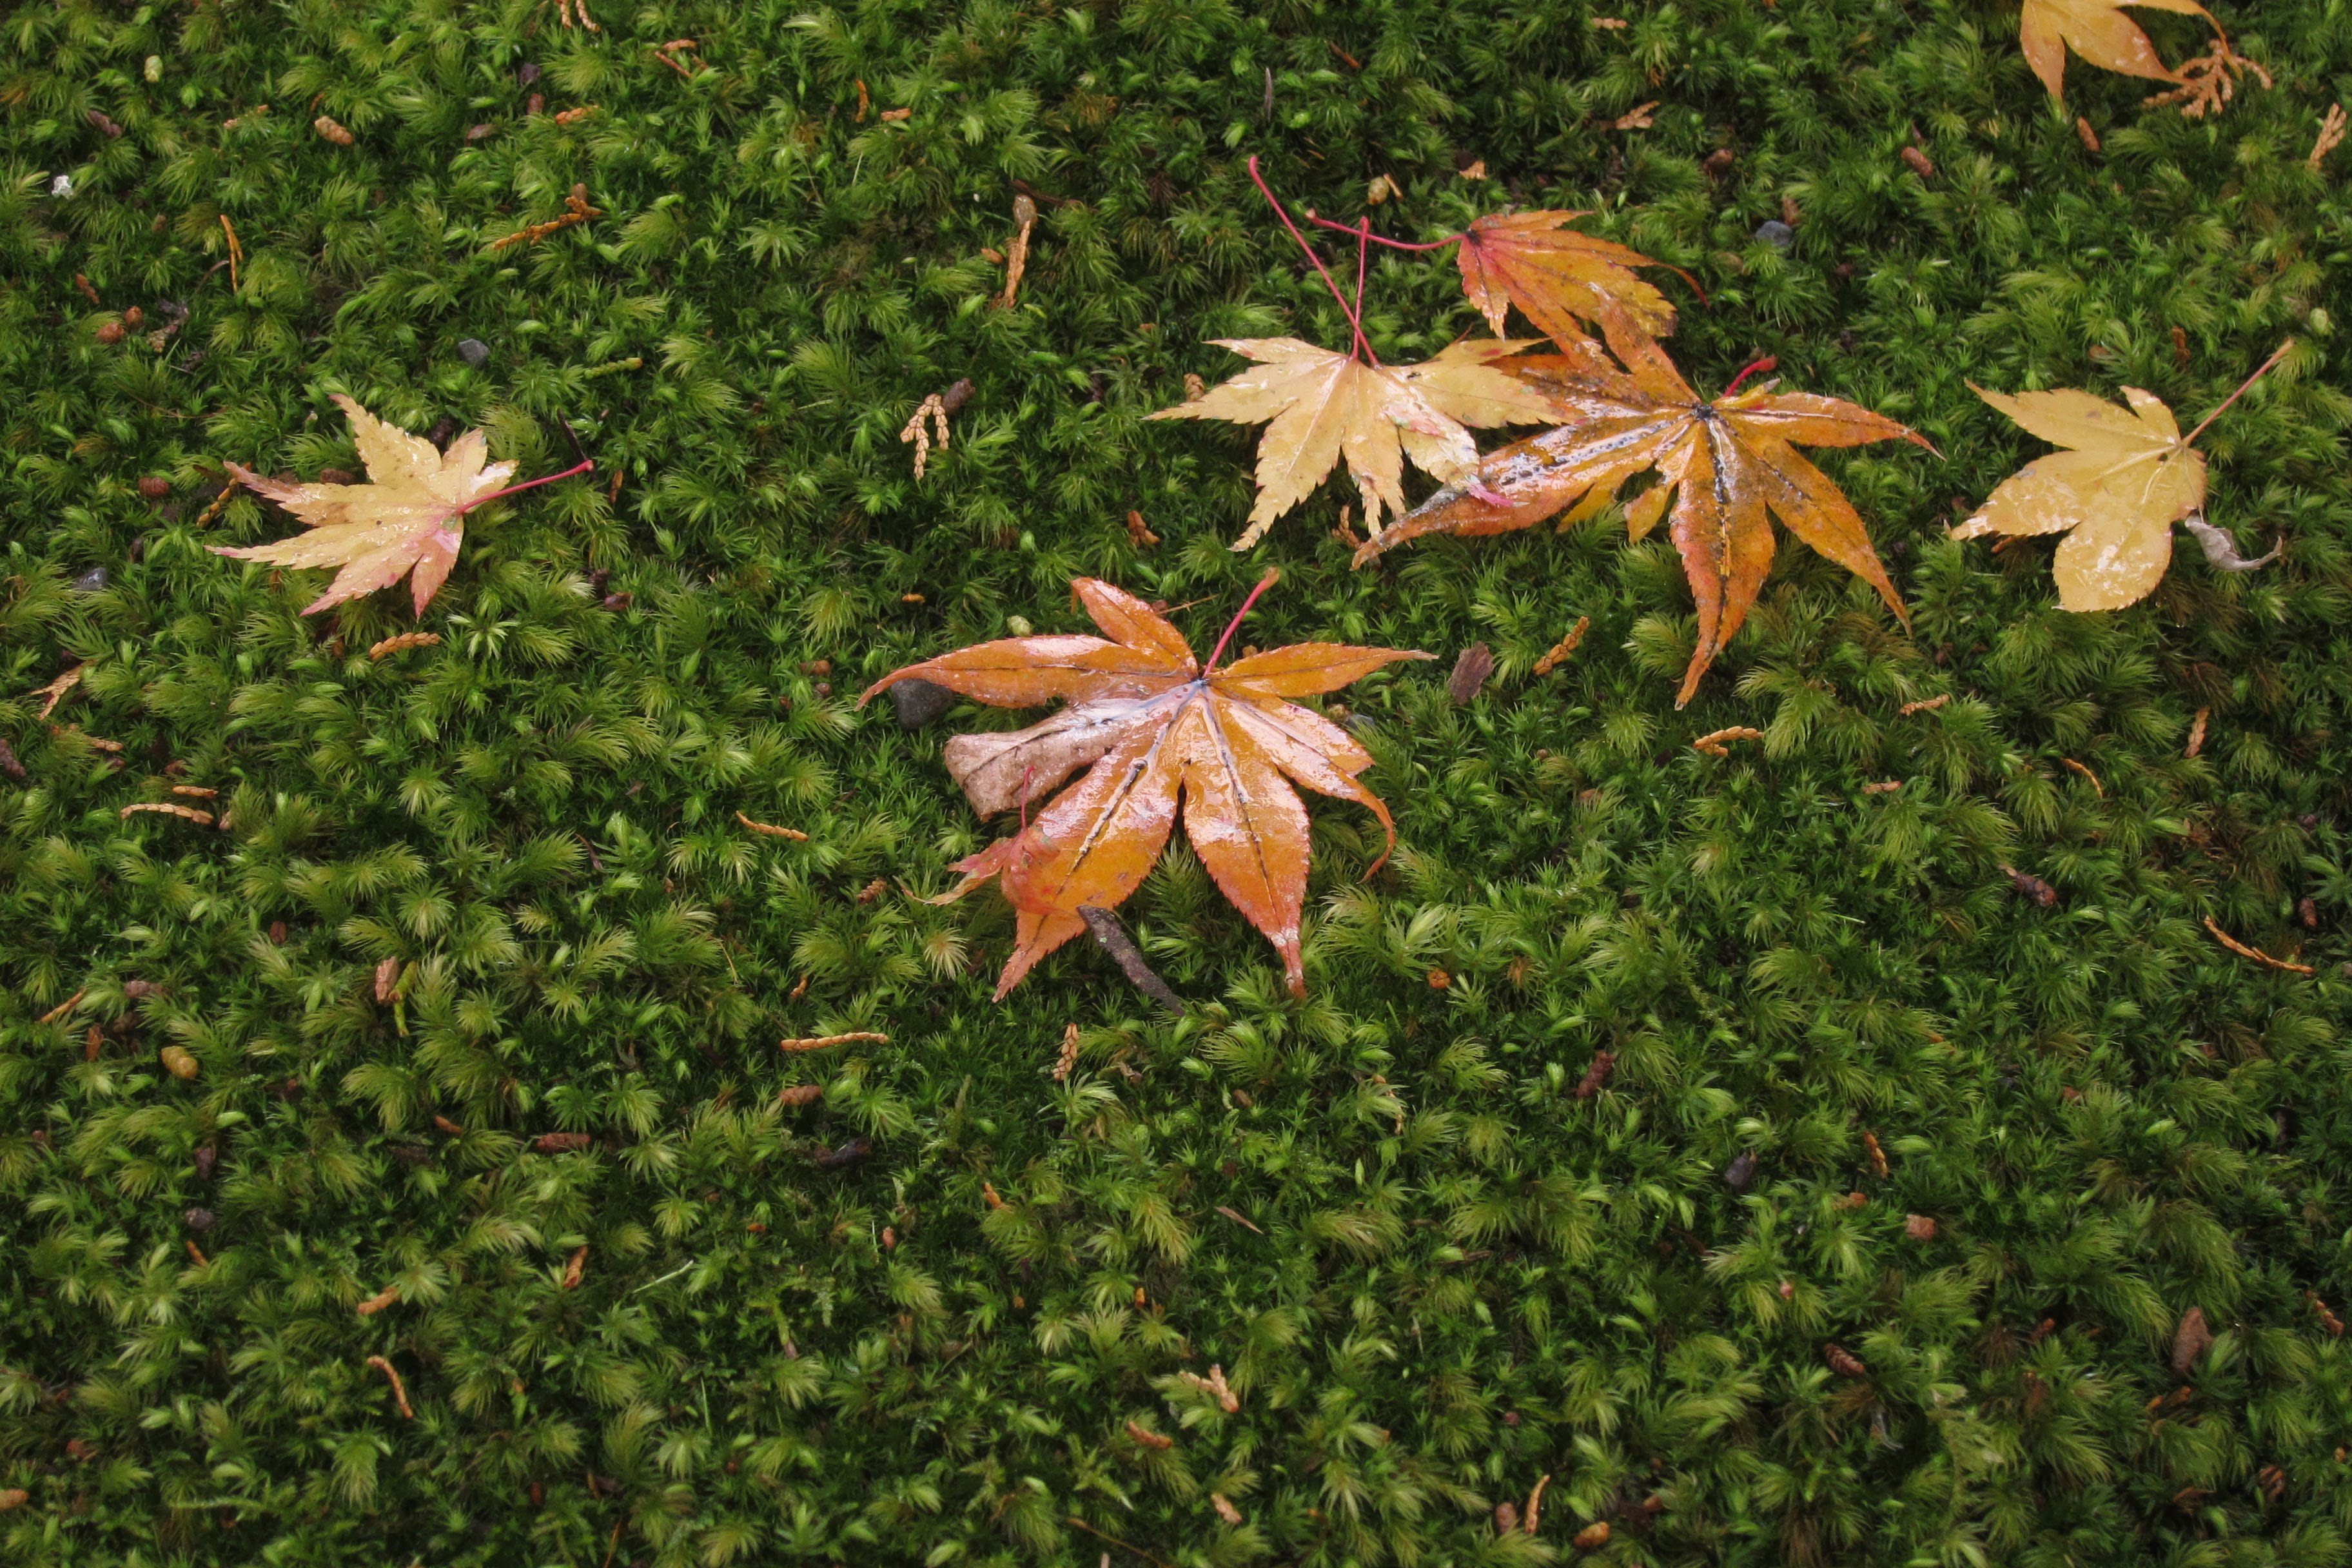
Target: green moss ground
{"x":1432,"y":1273}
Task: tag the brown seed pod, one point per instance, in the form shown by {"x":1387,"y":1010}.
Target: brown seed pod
{"x":800,"y":1094}
{"x":1919,"y":1227}
{"x":181,"y":1064}
{"x":154,"y":487}
{"x":1592,"y":1537}
{"x":1843,"y":1361}
{"x":333,"y":131}
{"x":108,"y":332}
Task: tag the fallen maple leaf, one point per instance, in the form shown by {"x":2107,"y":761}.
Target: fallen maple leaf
{"x":407,"y":519}
{"x":2124,"y":478}
{"x":1151,"y":726}
{"x":1724,"y":464}
{"x":1557,"y":277}
{"x":2099,"y":32}
{"x":1320,"y":406}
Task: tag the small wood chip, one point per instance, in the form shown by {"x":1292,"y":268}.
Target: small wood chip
{"x":2192,"y":1339}
{"x":403,"y":643}
{"x":1218,"y":1500}
{"x":1535,"y":1505}
{"x":1593,"y":1536}
{"x":819,"y":1042}
{"x":2090,"y":138}
{"x":399,"y":1389}
{"x":387,"y":978}
{"x":1471,"y":669}
{"x":1025,"y":214}
{"x":1235,"y":1216}
{"x":387,"y":1296}
{"x":799,"y":1094}
{"x":64,"y":1007}
{"x":573,"y":1270}
{"x":1712,"y":742}
{"x":771,"y":830}
{"x":1113,"y":939}
{"x":2197,"y":732}
{"x":2256,"y":954}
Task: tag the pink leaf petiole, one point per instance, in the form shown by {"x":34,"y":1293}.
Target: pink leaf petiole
{"x":1355,"y":323}
{"x":582,"y":467}
{"x":1272,"y":575}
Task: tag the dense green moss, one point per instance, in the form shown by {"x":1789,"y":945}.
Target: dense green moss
{"x":1430,"y":1270}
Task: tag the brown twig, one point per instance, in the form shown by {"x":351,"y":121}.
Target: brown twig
{"x":2256,"y":954}
{"x":1113,"y":937}
{"x":1114,"y":1541}
{"x":165,"y":808}
{"x":387,"y":1296}
{"x":1234,"y":1216}
{"x":236,"y":251}
{"x":399,"y":1389}
{"x":819,"y":1042}
{"x":666,"y":53}
{"x":771,"y":830}
{"x":55,"y":690}
{"x":2087,"y":774}
{"x":1712,"y":742}
{"x":2197,"y":732}
{"x":579,"y":212}
{"x":1924,"y":705}
{"x":65,"y":1008}
{"x":1535,"y":1504}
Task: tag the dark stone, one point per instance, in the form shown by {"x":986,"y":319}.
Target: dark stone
{"x":919,"y":701}
{"x":474,"y":351}
{"x":529,"y":73}
{"x":93,"y":581}
{"x":1740,"y":1173}
{"x":1776,"y":233}
{"x":199,"y":1219}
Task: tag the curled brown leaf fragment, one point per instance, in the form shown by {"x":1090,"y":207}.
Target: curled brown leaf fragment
{"x":1919,"y":1227}
{"x":574,"y":1269}
{"x":1592,"y":1537}
{"x":387,"y":978}
{"x":55,"y":691}
{"x":2033,"y":887}
{"x":1218,"y":1500}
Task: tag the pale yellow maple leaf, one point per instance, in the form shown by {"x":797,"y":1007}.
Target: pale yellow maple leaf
{"x":407,"y":519}
{"x":1320,"y":406}
{"x":2124,"y":478}
{"x":2099,"y":32}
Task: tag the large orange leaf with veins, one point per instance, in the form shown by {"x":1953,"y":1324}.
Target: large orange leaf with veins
{"x":1160,"y":738}
{"x":407,"y":519}
{"x":1724,"y":464}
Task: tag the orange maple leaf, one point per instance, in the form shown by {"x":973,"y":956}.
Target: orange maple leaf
{"x":1160,"y":736}
{"x":1724,"y":464}
{"x":407,"y":519}
{"x":1557,"y":277}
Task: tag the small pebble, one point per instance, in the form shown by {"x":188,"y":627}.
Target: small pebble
{"x":919,"y":701}
{"x":1776,"y":233}
{"x":474,"y":351}
{"x":529,"y":73}
{"x":199,"y":1219}
{"x":1740,"y":1173}
{"x":93,"y":581}
{"x":62,"y":185}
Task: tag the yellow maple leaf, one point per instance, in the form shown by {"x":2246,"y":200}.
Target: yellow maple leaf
{"x":2125,"y":476}
{"x":2099,"y":32}
{"x":1320,"y":406}
{"x":407,"y":519}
